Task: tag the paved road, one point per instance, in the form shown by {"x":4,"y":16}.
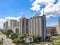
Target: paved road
{"x":6,"y":41}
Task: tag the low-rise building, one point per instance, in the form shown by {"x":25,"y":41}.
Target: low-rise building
{"x":58,"y":27}
{"x":51,"y":31}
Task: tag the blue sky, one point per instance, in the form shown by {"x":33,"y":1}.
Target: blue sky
{"x":14,"y":8}
{"x":28,"y":8}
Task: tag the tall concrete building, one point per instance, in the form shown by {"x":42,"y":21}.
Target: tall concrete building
{"x":23,"y":25}
{"x":58,"y":27}
{"x":37,"y":26}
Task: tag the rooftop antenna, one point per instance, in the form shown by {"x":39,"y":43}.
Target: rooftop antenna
{"x":43,"y":11}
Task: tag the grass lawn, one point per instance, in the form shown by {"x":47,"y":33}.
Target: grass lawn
{"x":58,"y":37}
{"x":27,"y":44}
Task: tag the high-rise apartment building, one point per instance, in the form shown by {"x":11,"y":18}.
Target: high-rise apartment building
{"x":37,"y":26}
{"x":23,"y":25}
{"x":58,"y":27}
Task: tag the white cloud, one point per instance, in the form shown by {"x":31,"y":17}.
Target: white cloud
{"x":36,"y":4}
{"x":42,"y":1}
{"x":36,"y":7}
{"x":50,"y":8}
{"x":14,"y":18}
{"x":10,"y":18}
{"x":48,"y":16}
{"x":1,"y":22}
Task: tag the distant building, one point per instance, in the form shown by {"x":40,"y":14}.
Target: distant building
{"x":5,"y":25}
{"x":51,"y":31}
{"x":37,"y":26}
{"x":10,"y":24}
{"x":23,"y":25}
{"x":17,"y":23}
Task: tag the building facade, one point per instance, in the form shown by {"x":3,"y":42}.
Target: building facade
{"x":51,"y":31}
{"x":37,"y":26}
{"x":5,"y":25}
{"x":10,"y":24}
{"x":58,"y":27}
{"x":23,"y":25}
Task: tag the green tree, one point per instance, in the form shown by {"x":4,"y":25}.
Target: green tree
{"x":36,"y":38}
{"x":8,"y":32}
{"x":14,"y":36}
{"x":16,"y":40}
